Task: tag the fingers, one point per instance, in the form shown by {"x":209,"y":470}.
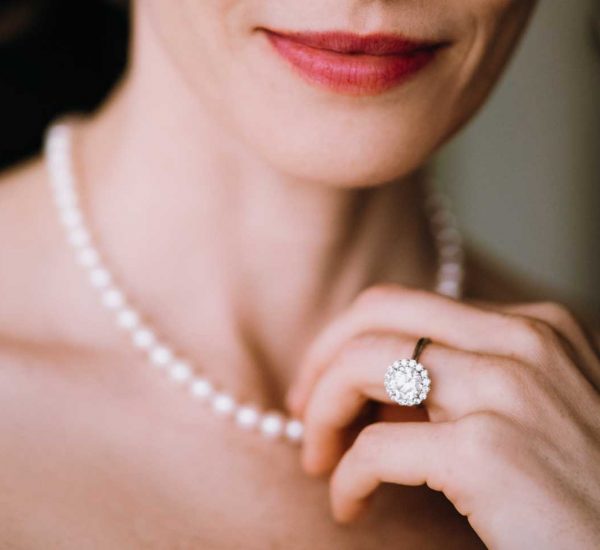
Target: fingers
{"x":462,"y":383}
{"x":418,"y":313}
{"x":576,"y":335}
{"x":403,"y":453}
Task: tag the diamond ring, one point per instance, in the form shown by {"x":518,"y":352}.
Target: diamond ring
{"x":406,"y":380}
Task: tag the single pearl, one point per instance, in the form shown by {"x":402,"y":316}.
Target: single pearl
{"x":247,"y":417}
{"x":449,"y":234}
{"x":294,"y":430}
{"x":79,"y":237}
{"x":271,"y":425}
{"x":71,"y":217}
{"x":450,"y":288}
{"x":180,"y":371}
{"x":450,"y":269}
{"x":100,"y":277}
{"x":65,"y":198}
{"x":63,"y":177}
{"x":160,"y":355}
{"x":451,"y":251}
{"x":143,"y":338}
{"x":223,"y":403}
{"x":128,"y":319}
{"x":112,"y":298}
{"x":201,"y":388}
{"x":88,"y":257}
{"x":443,"y":218}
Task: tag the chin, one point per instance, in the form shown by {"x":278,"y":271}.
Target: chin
{"x":344,"y":167}
{"x":332,"y":151}
{"x":338,"y":140}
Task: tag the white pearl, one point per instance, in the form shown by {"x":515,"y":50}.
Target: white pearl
{"x":62,"y":175}
{"x":449,"y":288}
{"x":88,"y":256}
{"x":201,"y":388}
{"x":443,"y":218}
{"x":143,"y":338}
{"x":128,"y":319}
{"x":112,"y":298}
{"x":223,"y":403}
{"x":450,"y":269}
{"x":180,"y":371}
{"x":79,"y":237}
{"x":65,"y":197}
{"x":100,"y":277}
{"x":247,"y":417}
{"x":160,"y":355}
{"x":449,"y":234}
{"x":451,"y":251}
{"x":294,"y":430}
{"x":71,"y":217}
{"x":58,"y":136}
{"x":271,"y":425}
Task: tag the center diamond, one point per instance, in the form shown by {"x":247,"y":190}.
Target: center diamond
{"x":407,"y":382}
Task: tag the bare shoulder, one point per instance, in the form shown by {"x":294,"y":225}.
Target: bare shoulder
{"x":488,"y":279}
{"x":29,"y":238}
{"x":25,"y":226}
{"x":25,"y":230}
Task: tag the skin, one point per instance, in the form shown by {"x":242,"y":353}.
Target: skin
{"x":515,"y":405}
{"x":191,"y":175}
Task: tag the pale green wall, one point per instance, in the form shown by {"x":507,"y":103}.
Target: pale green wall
{"x":525,"y":175}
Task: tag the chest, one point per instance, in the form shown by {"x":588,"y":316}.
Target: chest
{"x":149,"y":468}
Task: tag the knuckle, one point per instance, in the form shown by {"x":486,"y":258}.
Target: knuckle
{"x":536,"y":337}
{"x":511,"y":382}
{"x":480,"y":436}
{"x":375,"y":294}
{"x":522,"y":389}
{"x":557,"y":313}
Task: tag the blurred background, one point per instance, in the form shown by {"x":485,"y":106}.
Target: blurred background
{"x":524,"y":176}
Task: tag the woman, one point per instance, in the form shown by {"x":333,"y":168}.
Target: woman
{"x":260,"y":194}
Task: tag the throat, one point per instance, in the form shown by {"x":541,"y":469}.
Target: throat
{"x":287,"y":286}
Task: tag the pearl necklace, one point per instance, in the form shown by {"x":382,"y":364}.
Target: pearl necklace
{"x":272,"y":424}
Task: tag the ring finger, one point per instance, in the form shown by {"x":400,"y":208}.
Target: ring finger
{"x":462,"y":382}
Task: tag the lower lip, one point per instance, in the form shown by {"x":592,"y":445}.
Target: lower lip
{"x":351,"y":74}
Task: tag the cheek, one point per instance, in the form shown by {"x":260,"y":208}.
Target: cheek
{"x":495,"y":29}
{"x":202,"y":39}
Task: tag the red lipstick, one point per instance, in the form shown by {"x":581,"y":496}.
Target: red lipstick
{"x":351,"y":63}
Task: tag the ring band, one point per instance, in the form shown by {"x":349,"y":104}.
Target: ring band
{"x":406,"y":380}
{"x":421,"y":343}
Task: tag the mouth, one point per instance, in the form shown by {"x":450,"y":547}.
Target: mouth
{"x":354,"y":64}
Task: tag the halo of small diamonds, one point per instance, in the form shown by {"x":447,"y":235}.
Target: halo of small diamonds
{"x":407,"y":382}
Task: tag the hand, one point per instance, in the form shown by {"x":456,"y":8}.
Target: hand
{"x":513,"y":437}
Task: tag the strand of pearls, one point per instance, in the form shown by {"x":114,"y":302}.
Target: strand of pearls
{"x":272,"y":424}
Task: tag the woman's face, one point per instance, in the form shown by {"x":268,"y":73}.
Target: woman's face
{"x":361,"y":130}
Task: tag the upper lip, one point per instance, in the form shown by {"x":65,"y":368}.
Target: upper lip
{"x":347,"y":42}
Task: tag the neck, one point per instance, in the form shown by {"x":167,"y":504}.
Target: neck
{"x":227,"y":255}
